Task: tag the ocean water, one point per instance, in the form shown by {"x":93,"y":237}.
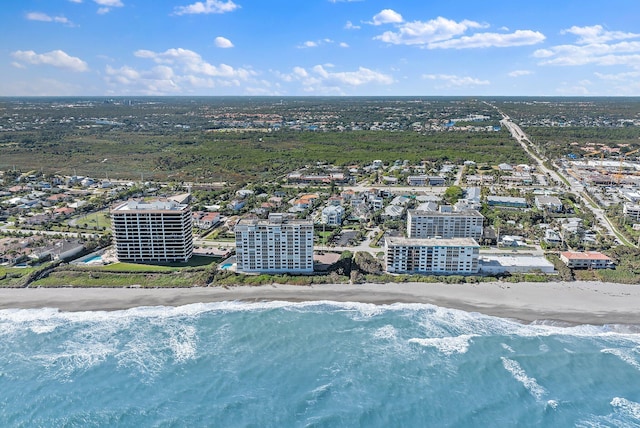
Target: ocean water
{"x":319,"y":364}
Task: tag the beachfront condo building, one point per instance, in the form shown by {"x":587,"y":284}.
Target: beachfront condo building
{"x":456,"y":224}
{"x":430,"y":255}
{"x":280,"y":244}
{"x":155,"y":231}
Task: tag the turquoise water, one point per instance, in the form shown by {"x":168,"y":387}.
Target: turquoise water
{"x":93,"y":259}
{"x":226,"y":266}
{"x":312,"y":364}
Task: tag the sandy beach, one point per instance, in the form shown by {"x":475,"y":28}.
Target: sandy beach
{"x":570,"y":302}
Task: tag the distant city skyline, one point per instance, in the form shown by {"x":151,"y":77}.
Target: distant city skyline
{"x":319,"y":47}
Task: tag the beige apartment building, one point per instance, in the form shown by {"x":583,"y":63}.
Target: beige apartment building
{"x":427,"y":255}
{"x":457,"y":224}
{"x":280,"y":244}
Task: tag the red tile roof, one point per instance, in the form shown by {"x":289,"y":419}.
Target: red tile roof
{"x":588,"y":255}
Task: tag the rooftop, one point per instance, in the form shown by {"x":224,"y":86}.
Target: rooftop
{"x":155,"y":205}
{"x":587,"y":255}
{"x":432,"y":242}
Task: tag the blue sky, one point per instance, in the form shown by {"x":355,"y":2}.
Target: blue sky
{"x":320,"y":47}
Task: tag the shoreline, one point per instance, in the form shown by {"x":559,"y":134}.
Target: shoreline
{"x":579,"y":302}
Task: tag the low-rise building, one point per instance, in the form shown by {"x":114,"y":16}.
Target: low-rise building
{"x":507,"y":201}
{"x":632,"y":211}
{"x":439,"y":256}
{"x":494,"y":264}
{"x":552,"y":203}
{"x":332,"y":215}
{"x":586,"y":260}
{"x":205,"y":220}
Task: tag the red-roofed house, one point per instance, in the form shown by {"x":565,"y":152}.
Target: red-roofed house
{"x":205,"y":220}
{"x":64,"y":211}
{"x":586,"y":260}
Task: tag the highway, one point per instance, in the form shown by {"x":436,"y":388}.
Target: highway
{"x":560,"y":179}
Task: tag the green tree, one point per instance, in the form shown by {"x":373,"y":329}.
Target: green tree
{"x":453,"y":193}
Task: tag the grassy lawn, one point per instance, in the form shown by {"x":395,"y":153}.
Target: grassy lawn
{"x":110,"y":279}
{"x":194,"y":262}
{"x":11,"y":277}
{"x":94,"y":221}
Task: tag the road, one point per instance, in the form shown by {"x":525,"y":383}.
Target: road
{"x":560,"y":179}
{"x":28,"y":232}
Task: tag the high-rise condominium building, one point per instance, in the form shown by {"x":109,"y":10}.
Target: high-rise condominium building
{"x":426,"y":255}
{"x":156,"y":231}
{"x":457,"y":224}
{"x":279,"y":244}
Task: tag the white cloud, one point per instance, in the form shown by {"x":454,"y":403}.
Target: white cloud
{"x":350,"y":26}
{"x":386,"y":16}
{"x":308,"y":44}
{"x":192,"y":63}
{"x":41,"y":87}
{"x":206,"y":7}
{"x":109,"y":3}
{"x":56,"y":58}
{"x":620,"y":77}
{"x":223,"y":42}
{"x":443,"y":33}
{"x":43,"y":17}
{"x":156,"y":81}
{"x":103,"y":10}
{"x":316,"y":43}
{"x":625,"y":83}
{"x":488,"y":40}
{"x":597,"y":34}
{"x":451,"y":80}
{"x":572,"y":90}
{"x":343,"y":45}
{"x":518,"y":73}
{"x":593,"y":47}
{"x":319,"y":79}
{"x":424,"y":33}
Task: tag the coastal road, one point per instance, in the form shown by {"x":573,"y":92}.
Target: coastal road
{"x":29,"y":232}
{"x":558,"y":178}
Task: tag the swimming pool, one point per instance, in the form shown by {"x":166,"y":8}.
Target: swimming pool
{"x":93,"y":260}
{"x":226,"y":266}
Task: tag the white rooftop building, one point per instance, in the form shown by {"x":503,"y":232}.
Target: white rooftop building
{"x":440,"y":256}
{"x":280,"y":245}
{"x":332,"y":215}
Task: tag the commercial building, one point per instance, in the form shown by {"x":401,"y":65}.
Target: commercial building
{"x":431,"y":224}
{"x":280,"y":245}
{"x":156,"y":231}
{"x":495,"y":264}
{"x":439,"y":256}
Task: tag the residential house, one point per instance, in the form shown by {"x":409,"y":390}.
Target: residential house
{"x":332,"y":215}
{"x":551,"y":203}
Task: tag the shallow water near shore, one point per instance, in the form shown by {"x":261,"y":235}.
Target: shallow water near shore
{"x":312,"y":364}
